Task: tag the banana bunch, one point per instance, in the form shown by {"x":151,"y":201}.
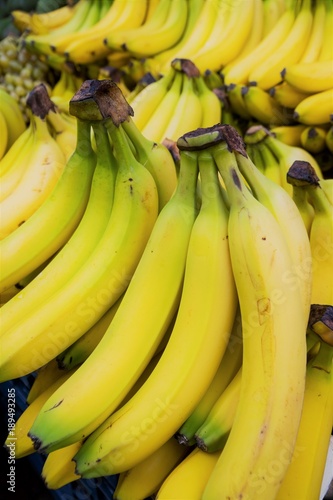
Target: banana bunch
{"x":31,"y":168}
{"x":12,"y":122}
{"x":176,"y":103}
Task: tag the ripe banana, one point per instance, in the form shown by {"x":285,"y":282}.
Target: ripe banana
{"x":309,"y":77}
{"x":305,"y":474}
{"x":199,"y":336}
{"x":236,"y":98}
{"x":329,"y":139}
{"x":43,"y":22}
{"x":316,"y":109}
{"x":270,"y":404}
{"x":13,"y":116}
{"x":44,"y":378}
{"x":189,"y":478}
{"x":267,"y":73}
{"x":262,"y":107}
{"x":4,"y":136}
{"x":48,"y":229}
{"x":273,"y":10}
{"x":162,"y":265}
{"x":228,"y":368}
{"x":211,"y":105}
{"x":145,"y":479}
{"x":313,"y":139}
{"x":212,"y":435}
{"x":286,"y":95}
{"x":289,"y":134}
{"x":326,"y":52}
{"x":63,"y":127}
{"x":59,"y":468}
{"x":315,"y":41}
{"x":305,"y":208}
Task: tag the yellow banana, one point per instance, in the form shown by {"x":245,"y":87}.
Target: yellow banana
{"x":47,"y":21}
{"x":304,"y":476}
{"x":313,"y":139}
{"x":212,"y":435}
{"x":270,"y":403}
{"x":273,"y":10}
{"x":45,"y":377}
{"x":315,"y":41}
{"x":309,"y":77}
{"x":59,"y":468}
{"x":21,"y":20}
{"x":162,"y":265}
{"x":236,"y":98}
{"x":305,"y":208}
{"x":189,"y":478}
{"x":19,"y":436}
{"x":229,"y":365}
{"x":64,"y":131}
{"x":289,"y":134}
{"x":326,"y":52}
{"x":211,"y":105}
{"x":262,"y":107}
{"x":54,"y":222}
{"x":329,"y":139}
{"x":233,"y":31}
{"x":286,"y":95}
{"x":14,"y":118}
{"x":4,"y":137}
{"x":105,"y":274}
{"x":268,"y":72}
{"x":120,"y":16}
{"x":239,"y":71}
{"x":144,"y":479}
{"x":316,"y":109}
{"x":200,"y":334}
{"x":157,"y":159}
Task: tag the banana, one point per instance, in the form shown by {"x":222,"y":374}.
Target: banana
{"x":162,"y":266}
{"x":120,"y":16}
{"x":273,"y":10}
{"x":78,"y":247}
{"x":229,"y":365}
{"x":328,"y":139}
{"x":45,"y":165}
{"x":146,"y":101}
{"x":81,"y":349}
{"x":163,"y":37}
{"x":59,"y":468}
{"x":13,"y":116}
{"x":327,"y":187}
{"x":305,"y":208}
{"x":234,"y":31}
{"x":48,"y":229}
{"x":304,"y":476}
{"x":105,"y":274}
{"x":239,"y":71}
{"x":313,"y":139}
{"x":117,"y":39}
{"x":262,"y":107}
{"x":158,"y":122}
{"x":199,"y":337}
{"x":326,"y":52}
{"x":4,"y":135}
{"x":64,"y":131}
{"x":211,"y":106}
{"x":236,"y":98}
{"x":188,"y":113}
{"x":270,"y":403}
{"x":44,"y":378}
{"x":316,"y":109}
{"x":282,"y":207}
{"x":189,"y":478}
{"x":212,"y":435}
{"x":289,"y":134}
{"x":267,"y":73}
{"x":157,"y":159}
{"x":315,"y":41}
{"x":23,"y":444}
{"x":309,"y":77}
{"x":44,"y":22}
{"x":286,"y":95}
{"x":21,"y":20}
{"x":145,"y":479}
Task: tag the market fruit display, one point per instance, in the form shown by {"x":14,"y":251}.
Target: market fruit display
{"x":166,"y":244}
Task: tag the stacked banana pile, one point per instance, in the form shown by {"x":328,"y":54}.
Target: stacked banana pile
{"x":123,"y":269}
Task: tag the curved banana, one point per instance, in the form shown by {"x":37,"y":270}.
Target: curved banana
{"x":78,"y":247}
{"x":64,"y":131}
{"x":212,"y":435}
{"x":189,"y":478}
{"x":59,"y":468}
{"x":313,"y":139}
{"x":305,"y":208}
{"x":44,"y":378}
{"x":146,"y":101}
{"x":120,"y":16}
{"x":309,"y":77}
{"x":268,"y":73}
{"x":42,"y":171}
{"x":23,"y":444}
{"x":326,"y":52}
{"x":157,"y":159}
{"x":199,"y":337}
{"x":43,"y":22}
{"x":235,"y":96}
{"x":286,"y":95}
{"x":211,"y":105}
{"x":13,"y":116}
{"x":273,"y":10}
{"x":145,"y":479}
{"x":103,"y":277}
{"x":238,"y":72}
{"x":262,"y":107}
{"x":4,"y":135}
{"x":304,"y":476}
{"x":229,"y":365}
{"x":315,"y":41}
{"x":49,"y":228}
{"x":158,"y":122}
{"x":81,"y":349}
{"x":162,"y":266}
{"x":233,"y":33}
{"x":316,"y":109}
{"x":289,"y":134}
{"x":271,"y":395}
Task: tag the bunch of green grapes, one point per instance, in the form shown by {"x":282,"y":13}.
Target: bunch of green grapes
{"x":20,"y":70}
